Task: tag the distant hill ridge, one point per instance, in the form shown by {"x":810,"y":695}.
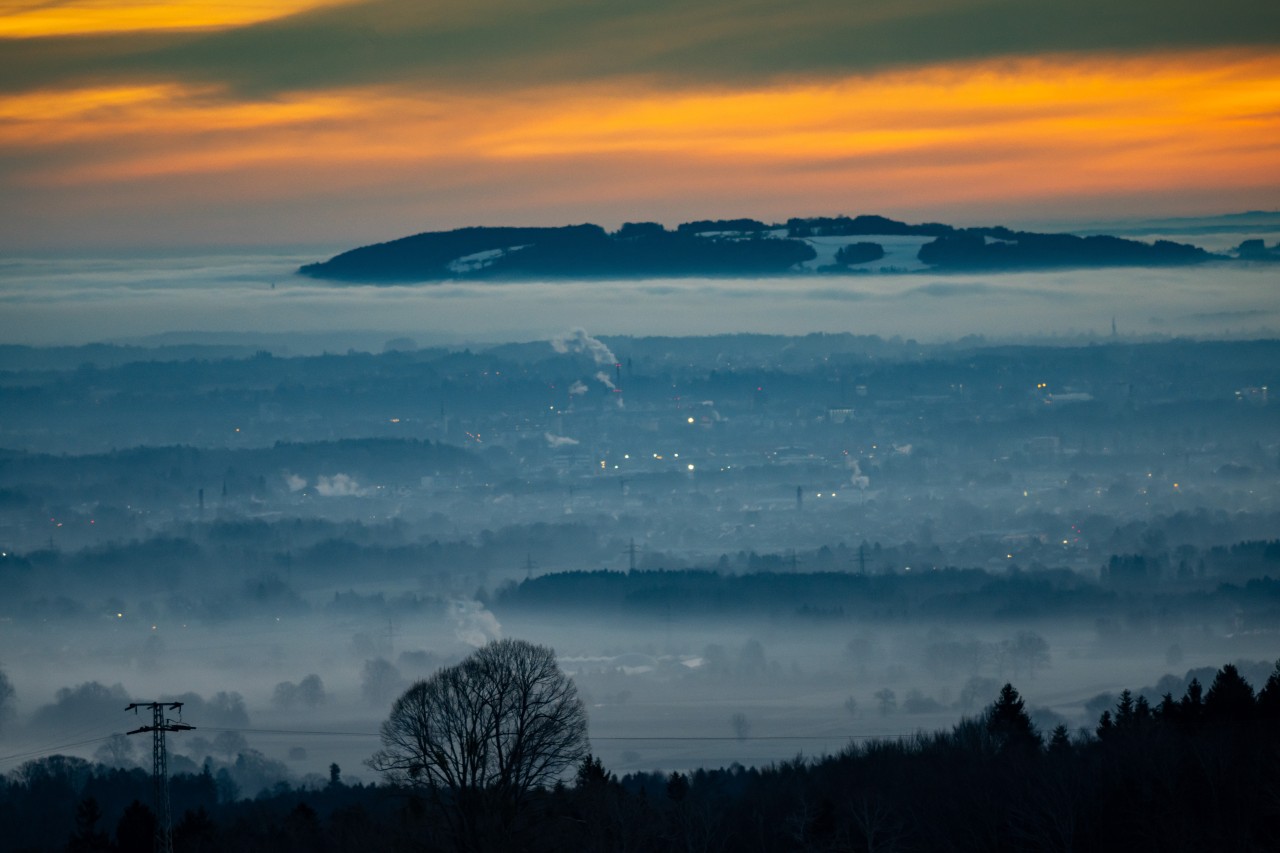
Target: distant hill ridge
{"x":735,"y":247}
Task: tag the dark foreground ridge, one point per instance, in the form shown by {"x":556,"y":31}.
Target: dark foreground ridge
{"x":729,"y":247}
{"x":1197,"y":772}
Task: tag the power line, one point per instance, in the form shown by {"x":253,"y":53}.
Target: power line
{"x":19,"y":756}
{"x":4,"y":759}
{"x":290,"y":732}
{"x":659,"y":738}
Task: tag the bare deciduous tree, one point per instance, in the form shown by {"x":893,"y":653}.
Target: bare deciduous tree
{"x":479,"y":736}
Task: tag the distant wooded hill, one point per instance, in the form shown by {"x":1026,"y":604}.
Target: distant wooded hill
{"x":739,"y":247}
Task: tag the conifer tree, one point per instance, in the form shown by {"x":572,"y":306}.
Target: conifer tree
{"x":1009,"y":724}
{"x":1230,"y":698}
{"x":1269,"y":696}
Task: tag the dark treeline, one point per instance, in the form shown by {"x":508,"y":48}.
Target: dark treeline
{"x":173,"y":469}
{"x":721,"y":247}
{"x":938,"y":593}
{"x":1195,"y":772}
{"x":252,"y":555}
{"x":1021,"y":250}
{"x":638,"y":248}
{"x":249,"y":564}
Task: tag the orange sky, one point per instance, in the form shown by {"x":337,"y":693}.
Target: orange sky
{"x":79,"y":17}
{"x":975,"y":139}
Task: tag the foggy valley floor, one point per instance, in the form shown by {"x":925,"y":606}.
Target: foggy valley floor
{"x":742,"y":548}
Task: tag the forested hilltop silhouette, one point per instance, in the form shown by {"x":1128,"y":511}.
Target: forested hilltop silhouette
{"x":1195,"y":772}
{"x":737,"y":247}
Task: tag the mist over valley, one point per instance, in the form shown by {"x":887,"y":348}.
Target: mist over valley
{"x":741,"y":547}
{"x":764,"y":529}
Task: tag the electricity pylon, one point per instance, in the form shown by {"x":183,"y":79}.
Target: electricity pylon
{"x":160,"y":764}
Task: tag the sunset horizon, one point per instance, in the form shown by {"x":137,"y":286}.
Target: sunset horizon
{"x":148,"y":124}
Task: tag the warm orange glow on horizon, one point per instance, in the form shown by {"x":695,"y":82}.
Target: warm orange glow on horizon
{"x":1040,"y":101}
{"x":83,"y":17}
{"x":1015,"y":130}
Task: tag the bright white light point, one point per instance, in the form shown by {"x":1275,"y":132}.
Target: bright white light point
{"x":690,"y":420}
{"x":690,"y":466}
{"x":119,"y":615}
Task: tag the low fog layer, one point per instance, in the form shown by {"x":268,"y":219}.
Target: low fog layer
{"x":741,"y":547}
{"x":218,"y":300}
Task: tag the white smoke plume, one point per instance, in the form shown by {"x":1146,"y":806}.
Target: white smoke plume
{"x":578,"y":388}
{"x":294,"y":482}
{"x":604,"y":378}
{"x":338,"y":486}
{"x":856,"y":478}
{"x":577,"y":340}
{"x":473,"y":624}
{"x":559,"y":440}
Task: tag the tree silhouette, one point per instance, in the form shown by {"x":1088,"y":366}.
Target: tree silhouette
{"x":1191,"y":706}
{"x":1229,"y":697}
{"x":308,"y":692}
{"x":1060,"y":739}
{"x":859,"y":253}
{"x":1009,"y":724}
{"x":478,"y":737}
{"x":1269,"y":696}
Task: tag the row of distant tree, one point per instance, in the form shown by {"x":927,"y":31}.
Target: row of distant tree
{"x":718,"y":247}
{"x":942,"y":593}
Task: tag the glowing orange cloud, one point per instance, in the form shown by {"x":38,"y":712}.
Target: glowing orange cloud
{"x":82,"y":17}
{"x":990,"y":133}
{"x":1183,"y":107}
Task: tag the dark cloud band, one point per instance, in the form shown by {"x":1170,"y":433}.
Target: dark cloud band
{"x":499,"y":44}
